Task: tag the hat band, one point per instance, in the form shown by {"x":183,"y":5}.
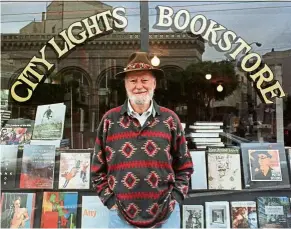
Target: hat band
{"x":138,"y":66}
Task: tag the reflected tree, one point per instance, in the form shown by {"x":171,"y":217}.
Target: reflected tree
{"x":200,"y":91}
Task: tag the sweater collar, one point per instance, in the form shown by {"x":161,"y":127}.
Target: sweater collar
{"x":156,"y":108}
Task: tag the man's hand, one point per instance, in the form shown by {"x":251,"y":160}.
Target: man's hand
{"x":114,"y":207}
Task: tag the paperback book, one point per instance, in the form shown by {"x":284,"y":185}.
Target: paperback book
{"x":38,"y":165}
{"x":17,"y":210}
{"x":272,"y":211}
{"x":199,"y":177}
{"x":74,"y":171}
{"x":49,"y":122}
{"x":193,"y":216}
{"x":17,"y":132}
{"x":217,"y":214}
{"x":201,"y":123}
{"x":8,"y":166}
{"x":224,"y":168}
{"x":93,"y":210}
{"x":59,"y":210}
{"x":264,"y":165}
{"x":244,"y":214}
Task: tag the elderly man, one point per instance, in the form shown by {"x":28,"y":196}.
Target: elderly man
{"x":141,"y":164}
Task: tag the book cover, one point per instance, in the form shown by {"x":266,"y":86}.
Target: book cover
{"x":4,"y":94}
{"x":8,"y":165}
{"x":74,"y":171}
{"x":38,"y":163}
{"x":94,"y":211}
{"x":193,"y":216}
{"x":203,"y":135}
{"x":196,"y":127}
{"x":49,"y":122}
{"x":17,"y":132}
{"x":244,"y":214}
{"x":264,"y":165}
{"x":206,"y":140}
{"x":55,"y":143}
{"x":217,"y":214}
{"x":289,"y":161}
{"x":272,"y":212}
{"x":17,"y":210}
{"x":199,"y":177}
{"x":59,"y":210}
{"x":208,"y":123}
{"x":209,"y":131}
{"x":224,"y":168}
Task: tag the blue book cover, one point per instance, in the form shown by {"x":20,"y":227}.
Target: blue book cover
{"x":94,"y":211}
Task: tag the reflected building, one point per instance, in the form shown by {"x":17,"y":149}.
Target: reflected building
{"x":87,"y":73}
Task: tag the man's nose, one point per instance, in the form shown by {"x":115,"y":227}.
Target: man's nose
{"x":139,"y":85}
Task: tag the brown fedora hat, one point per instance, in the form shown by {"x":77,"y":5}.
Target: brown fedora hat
{"x":140,"y":61}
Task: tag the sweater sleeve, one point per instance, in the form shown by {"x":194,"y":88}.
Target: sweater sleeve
{"x":99,"y":167}
{"x":182,"y":164}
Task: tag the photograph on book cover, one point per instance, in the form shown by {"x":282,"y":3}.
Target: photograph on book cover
{"x":193,"y":216}
{"x":272,"y":211}
{"x":265,"y":165}
{"x":49,"y":121}
{"x":17,"y":210}
{"x":244,"y":214}
{"x":38,"y":165}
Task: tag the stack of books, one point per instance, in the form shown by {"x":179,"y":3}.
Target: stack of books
{"x":5,"y":116}
{"x":205,"y":134}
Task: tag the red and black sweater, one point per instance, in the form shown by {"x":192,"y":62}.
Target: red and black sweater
{"x":141,"y":169}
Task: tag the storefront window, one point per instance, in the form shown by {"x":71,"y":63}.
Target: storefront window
{"x":64,"y":56}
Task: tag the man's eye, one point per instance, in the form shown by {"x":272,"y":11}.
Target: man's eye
{"x":144,"y":80}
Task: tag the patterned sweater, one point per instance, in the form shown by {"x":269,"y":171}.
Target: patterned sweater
{"x":142,"y":170}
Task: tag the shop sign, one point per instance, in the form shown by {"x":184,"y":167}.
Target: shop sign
{"x":218,"y":36}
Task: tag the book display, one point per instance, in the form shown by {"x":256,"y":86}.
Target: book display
{"x":205,"y":134}
{"x":244,"y":186}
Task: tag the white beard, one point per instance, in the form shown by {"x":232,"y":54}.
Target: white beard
{"x":141,"y":100}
